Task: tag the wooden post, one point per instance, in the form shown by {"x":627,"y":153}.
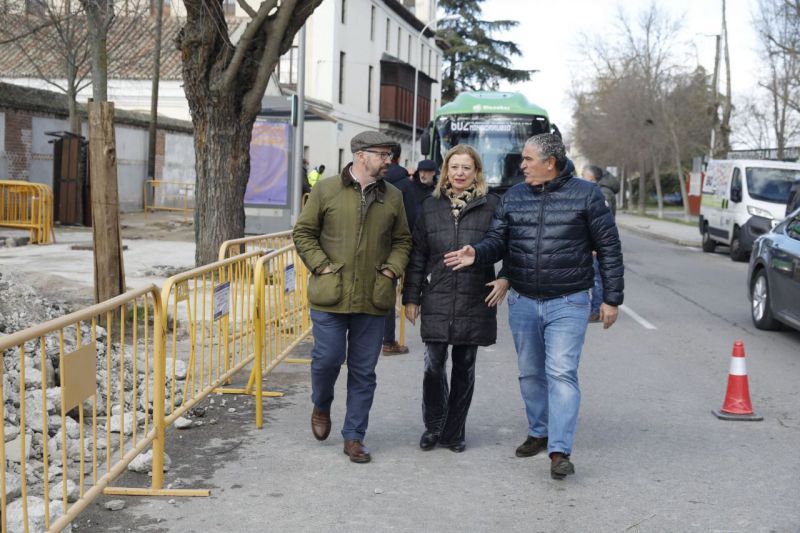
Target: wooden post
{"x":109,"y":271}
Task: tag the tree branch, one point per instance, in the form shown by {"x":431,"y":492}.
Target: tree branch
{"x":247,"y":9}
{"x":252,"y":99}
{"x":244,"y":43}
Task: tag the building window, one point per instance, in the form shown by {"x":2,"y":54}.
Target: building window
{"x":229,"y":7}
{"x":372,"y":23}
{"x":341,"y":77}
{"x":409,"y":49}
{"x":369,"y":90}
{"x":341,"y":160}
{"x":430,"y":60}
{"x":344,"y":7}
{"x":399,"y":32}
{"x":386,"y":46}
{"x":422,"y":57}
{"x":287,"y":67}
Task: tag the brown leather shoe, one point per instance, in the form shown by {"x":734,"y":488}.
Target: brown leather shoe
{"x":320,"y":424}
{"x":357,"y":452}
{"x":394,"y":348}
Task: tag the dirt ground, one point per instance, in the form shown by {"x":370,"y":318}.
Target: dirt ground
{"x":155,"y":247}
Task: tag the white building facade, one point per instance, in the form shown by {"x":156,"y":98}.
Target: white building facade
{"x":360,"y":61}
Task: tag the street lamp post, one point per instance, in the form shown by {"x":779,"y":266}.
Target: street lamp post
{"x":416,"y":85}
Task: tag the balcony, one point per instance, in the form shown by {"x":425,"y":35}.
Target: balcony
{"x":397,"y":94}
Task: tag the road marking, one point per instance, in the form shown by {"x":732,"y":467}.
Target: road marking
{"x":634,"y":315}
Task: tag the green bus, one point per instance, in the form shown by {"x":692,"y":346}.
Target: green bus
{"x":496,"y":124}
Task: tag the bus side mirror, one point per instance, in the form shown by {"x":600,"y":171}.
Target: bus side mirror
{"x":425,"y":143}
{"x":736,"y":195}
{"x":556,"y":131}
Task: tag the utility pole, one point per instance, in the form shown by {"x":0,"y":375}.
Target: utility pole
{"x":715,"y":98}
{"x":300,"y":115}
{"x":725,"y":126}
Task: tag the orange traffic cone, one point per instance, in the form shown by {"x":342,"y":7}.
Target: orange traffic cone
{"x":737,"y":399}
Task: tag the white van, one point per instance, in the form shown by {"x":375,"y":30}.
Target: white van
{"x":742,"y":199}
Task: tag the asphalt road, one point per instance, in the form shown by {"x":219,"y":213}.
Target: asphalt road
{"x":649,"y":454}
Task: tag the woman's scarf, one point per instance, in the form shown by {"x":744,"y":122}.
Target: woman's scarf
{"x":458,"y":202}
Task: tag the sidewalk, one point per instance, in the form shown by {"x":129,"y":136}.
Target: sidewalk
{"x":154,"y":248}
{"x":280,"y":478}
{"x":665,"y":230}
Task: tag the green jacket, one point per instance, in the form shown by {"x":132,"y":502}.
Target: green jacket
{"x":358,"y":235}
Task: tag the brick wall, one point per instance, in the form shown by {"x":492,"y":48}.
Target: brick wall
{"x":17,"y":143}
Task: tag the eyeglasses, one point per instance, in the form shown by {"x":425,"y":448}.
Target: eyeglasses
{"x":382,"y":155}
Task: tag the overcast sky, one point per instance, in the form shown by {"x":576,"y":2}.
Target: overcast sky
{"x":549,"y":34}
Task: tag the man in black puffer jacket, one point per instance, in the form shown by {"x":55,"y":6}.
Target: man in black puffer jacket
{"x":545,"y":230}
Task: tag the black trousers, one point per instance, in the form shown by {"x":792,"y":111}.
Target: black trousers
{"x":445,"y":411}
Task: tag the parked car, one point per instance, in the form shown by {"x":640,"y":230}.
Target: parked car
{"x":774,"y":276}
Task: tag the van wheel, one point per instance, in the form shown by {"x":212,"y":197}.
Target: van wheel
{"x":760,"y":303}
{"x":708,"y":243}
{"x":737,"y":252}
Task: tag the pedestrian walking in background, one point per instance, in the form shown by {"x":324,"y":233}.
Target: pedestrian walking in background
{"x":423,"y":182}
{"x":397,"y":175}
{"x":306,"y":183}
{"x":594,"y":174}
{"x":458,"y":309}
{"x":315,"y":175}
{"x":353,"y":237}
{"x":545,"y":230}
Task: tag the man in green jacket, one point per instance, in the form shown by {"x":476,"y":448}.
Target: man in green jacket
{"x":353,"y":236}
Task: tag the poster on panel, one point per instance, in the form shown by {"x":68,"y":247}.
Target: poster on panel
{"x":269,"y":164}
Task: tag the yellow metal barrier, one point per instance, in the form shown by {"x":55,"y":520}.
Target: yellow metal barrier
{"x":264,"y":243}
{"x":165,"y":192}
{"x":281,"y":315}
{"x":27,"y":205}
{"x":84,"y":422}
{"x":210,"y":325}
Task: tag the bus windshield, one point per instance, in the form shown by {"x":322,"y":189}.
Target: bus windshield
{"x":770,"y":184}
{"x":497,"y":138}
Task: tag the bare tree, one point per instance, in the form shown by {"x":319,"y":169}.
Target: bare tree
{"x":644,"y":107}
{"x":224,"y":84}
{"x":53,"y":38}
{"x":752,"y":122}
{"x":778,"y":27}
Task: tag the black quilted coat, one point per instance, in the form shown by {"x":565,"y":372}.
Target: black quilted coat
{"x":545,"y":235}
{"x":451,"y":303}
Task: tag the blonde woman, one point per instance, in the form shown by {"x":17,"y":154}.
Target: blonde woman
{"x":457,"y":309}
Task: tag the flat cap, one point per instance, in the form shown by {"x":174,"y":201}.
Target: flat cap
{"x":370,"y":139}
{"x":426,"y":164}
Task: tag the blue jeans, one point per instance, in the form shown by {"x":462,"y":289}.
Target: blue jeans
{"x":358,"y":336}
{"x":597,"y":290}
{"x":548,"y":336}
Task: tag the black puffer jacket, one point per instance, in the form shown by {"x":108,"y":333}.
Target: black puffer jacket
{"x":452,"y":303}
{"x":545,"y":235}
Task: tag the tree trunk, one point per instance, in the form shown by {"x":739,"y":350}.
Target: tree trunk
{"x":642,"y":191}
{"x":223,"y":170}
{"x":659,"y":194}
